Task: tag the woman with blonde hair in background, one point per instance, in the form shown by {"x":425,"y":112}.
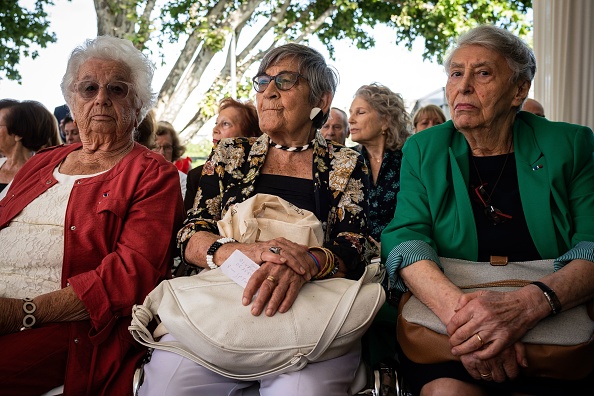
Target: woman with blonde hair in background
{"x":428,"y":116}
{"x":380,"y":124}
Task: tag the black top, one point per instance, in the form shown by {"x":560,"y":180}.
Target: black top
{"x":298,"y":191}
{"x":510,"y":238}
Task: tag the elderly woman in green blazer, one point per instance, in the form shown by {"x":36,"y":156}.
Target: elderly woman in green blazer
{"x":493,"y":181}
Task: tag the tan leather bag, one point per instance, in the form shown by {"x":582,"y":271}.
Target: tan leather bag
{"x":560,"y":346}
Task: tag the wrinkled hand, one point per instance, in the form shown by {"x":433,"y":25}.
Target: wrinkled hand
{"x":277,"y":287}
{"x":499,"y":368}
{"x":291,"y":254}
{"x":11,"y":315}
{"x":497,"y":317}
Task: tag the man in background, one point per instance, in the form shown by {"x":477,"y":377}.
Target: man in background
{"x":534,"y":107}
{"x":337,"y":126}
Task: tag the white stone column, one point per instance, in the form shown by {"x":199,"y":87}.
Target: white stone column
{"x":564,"y":50}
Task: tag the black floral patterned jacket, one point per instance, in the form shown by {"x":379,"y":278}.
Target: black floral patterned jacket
{"x":341,"y":185}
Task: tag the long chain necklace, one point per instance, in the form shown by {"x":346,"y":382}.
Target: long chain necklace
{"x":483,"y":184}
{"x":495,"y":215}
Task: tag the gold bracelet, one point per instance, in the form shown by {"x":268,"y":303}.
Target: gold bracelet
{"x":330,"y":267}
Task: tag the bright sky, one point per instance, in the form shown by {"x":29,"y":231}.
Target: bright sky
{"x":391,"y":65}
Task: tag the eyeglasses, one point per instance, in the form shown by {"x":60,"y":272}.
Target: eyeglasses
{"x":166,"y":147}
{"x":284,"y":81}
{"x":492,"y":213}
{"x":116,"y":90}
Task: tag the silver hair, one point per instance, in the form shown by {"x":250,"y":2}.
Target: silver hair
{"x":321,"y":77}
{"x":118,"y":50}
{"x":390,"y":105}
{"x":518,"y":54}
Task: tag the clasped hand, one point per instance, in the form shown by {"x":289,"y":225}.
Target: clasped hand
{"x":276,"y":284}
{"x":485,"y":333}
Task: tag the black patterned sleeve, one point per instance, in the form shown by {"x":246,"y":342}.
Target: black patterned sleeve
{"x":348,"y":228}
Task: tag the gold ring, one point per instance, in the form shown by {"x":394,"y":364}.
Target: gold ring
{"x":271,"y":279}
{"x":480,"y":340}
{"x":485,"y":375}
{"x":275,"y":249}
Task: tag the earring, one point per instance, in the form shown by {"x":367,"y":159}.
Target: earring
{"x":314,"y":113}
{"x":318,"y":117}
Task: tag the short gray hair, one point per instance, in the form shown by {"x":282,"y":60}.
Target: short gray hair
{"x":119,"y":50}
{"x":518,"y":54}
{"x":321,"y":77}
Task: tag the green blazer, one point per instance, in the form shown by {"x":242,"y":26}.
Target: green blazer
{"x":555,"y":167}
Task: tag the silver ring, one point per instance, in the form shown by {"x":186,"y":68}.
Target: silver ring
{"x":275,"y":249}
{"x":485,"y":375}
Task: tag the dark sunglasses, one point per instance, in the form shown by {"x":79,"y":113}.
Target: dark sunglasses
{"x":283,"y":80}
{"x":116,"y":90}
{"x":492,"y":213}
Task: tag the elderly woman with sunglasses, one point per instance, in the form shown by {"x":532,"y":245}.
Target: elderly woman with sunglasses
{"x":293,"y":161}
{"x":493,"y":184}
{"x":77,"y":235}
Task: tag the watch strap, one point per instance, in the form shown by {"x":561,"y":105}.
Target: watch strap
{"x":550,"y":296}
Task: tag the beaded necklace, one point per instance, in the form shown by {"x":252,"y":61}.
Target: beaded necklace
{"x":289,"y":148}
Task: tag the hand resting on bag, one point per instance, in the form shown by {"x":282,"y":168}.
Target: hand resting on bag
{"x":279,"y":295}
{"x":501,"y":319}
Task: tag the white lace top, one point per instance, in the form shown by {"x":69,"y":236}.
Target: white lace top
{"x":32,"y":246}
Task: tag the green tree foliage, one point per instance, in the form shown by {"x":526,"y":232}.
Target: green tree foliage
{"x":22,"y":30}
{"x":205,"y":28}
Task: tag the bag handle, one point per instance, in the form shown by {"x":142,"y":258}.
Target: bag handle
{"x":501,"y":283}
{"x":141,"y":317}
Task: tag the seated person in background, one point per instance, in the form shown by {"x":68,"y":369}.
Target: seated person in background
{"x":492,"y":182}
{"x":337,"y":126}
{"x":234,"y":119}
{"x":534,"y":107}
{"x":25,"y":127}
{"x":167,"y":144}
{"x":70,"y":130}
{"x":380,"y":124}
{"x":293,"y":161}
{"x":85,"y":233}
{"x":428,"y":116}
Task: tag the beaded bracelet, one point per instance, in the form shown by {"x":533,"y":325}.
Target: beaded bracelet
{"x":213,"y":248}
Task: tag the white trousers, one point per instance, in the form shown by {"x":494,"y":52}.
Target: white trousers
{"x":171,"y":374}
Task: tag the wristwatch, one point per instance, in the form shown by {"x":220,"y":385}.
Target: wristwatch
{"x":550,"y":296}
{"x":213,"y":248}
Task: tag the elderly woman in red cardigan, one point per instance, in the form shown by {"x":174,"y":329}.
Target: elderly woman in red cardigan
{"x":77,"y":235}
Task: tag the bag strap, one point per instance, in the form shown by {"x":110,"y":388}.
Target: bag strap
{"x":141,"y":316}
{"x":501,"y":283}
